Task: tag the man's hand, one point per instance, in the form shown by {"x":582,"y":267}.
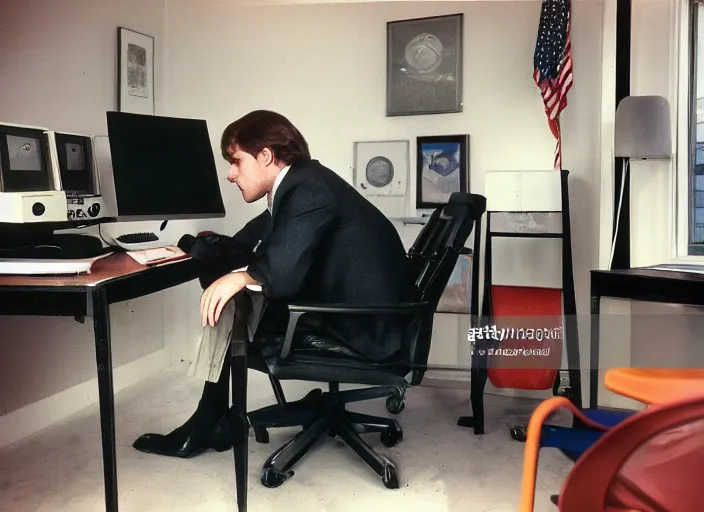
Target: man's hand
{"x":219,"y":293}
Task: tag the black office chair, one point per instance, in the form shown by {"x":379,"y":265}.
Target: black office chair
{"x":432,"y":259}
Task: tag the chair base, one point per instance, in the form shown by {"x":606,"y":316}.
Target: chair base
{"x":324,"y":413}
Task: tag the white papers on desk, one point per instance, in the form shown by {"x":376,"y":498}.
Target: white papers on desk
{"x":156,"y":255}
{"x":674,"y":267}
{"x":44,"y":267}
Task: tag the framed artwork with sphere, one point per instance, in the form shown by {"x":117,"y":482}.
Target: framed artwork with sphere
{"x":442,"y":169}
{"x":424,"y":65}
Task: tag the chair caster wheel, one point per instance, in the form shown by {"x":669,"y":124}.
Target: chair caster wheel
{"x":519,"y":433}
{"x":272,"y":478}
{"x":390,"y":479}
{"x":261,"y":435}
{"x":395,"y":404}
{"x":391,"y":436}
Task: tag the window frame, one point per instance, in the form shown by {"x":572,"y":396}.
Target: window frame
{"x":686,"y":43}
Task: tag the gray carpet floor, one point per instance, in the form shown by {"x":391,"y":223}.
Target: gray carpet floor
{"x":441,"y":467}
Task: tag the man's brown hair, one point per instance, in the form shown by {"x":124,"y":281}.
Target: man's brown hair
{"x":265,"y":129}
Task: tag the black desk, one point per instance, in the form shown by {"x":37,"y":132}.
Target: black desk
{"x":116,"y":278}
{"x":640,"y":285}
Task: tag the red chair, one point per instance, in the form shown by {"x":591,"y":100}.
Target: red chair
{"x":651,"y":462}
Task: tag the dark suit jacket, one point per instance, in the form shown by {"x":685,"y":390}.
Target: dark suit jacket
{"x":329,"y":245}
{"x":324,"y":244}
{"x":218,"y":255}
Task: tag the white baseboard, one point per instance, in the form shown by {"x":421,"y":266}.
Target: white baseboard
{"x":460,"y":377}
{"x":32,"y":418}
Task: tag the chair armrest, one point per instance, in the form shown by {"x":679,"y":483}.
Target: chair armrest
{"x":401,"y":308}
{"x":298,"y":310}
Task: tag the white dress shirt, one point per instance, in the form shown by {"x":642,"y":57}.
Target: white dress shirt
{"x":270,"y":204}
{"x":277,"y":182}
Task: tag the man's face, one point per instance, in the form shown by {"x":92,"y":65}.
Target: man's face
{"x":250,"y":174}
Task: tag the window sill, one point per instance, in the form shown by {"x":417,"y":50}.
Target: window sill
{"x":686,"y":260}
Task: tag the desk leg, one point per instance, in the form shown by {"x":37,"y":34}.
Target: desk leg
{"x":594,"y":353}
{"x":99,"y":309}
{"x":239,"y":424}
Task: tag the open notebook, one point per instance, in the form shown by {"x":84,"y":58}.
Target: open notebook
{"x":157,"y":255}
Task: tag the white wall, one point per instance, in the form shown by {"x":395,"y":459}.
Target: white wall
{"x":323,"y":66}
{"x":58,"y":68}
{"x":653,"y":71}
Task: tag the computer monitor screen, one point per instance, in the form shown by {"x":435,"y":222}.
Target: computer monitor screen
{"x":75,"y":160}
{"x":24,"y":163}
{"x":163,"y":168}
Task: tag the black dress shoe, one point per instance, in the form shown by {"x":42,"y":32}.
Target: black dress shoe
{"x":554,"y":498}
{"x":188,"y":440}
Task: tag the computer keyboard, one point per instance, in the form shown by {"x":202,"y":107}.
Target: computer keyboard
{"x":135,"y":241}
{"x":137,"y":238}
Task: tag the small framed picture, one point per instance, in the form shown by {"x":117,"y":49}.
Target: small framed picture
{"x":442,"y":168}
{"x":135,"y":64}
{"x":381,"y":168}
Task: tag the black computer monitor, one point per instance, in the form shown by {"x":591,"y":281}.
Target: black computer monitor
{"x":163,"y":168}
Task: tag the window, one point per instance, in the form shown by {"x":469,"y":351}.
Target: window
{"x":695,"y":242}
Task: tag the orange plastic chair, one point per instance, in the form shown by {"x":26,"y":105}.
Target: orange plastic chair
{"x":532,"y":449}
{"x":650,"y":462}
{"x":655,"y":386}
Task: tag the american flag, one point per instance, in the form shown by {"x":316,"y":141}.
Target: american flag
{"x":552,"y":64}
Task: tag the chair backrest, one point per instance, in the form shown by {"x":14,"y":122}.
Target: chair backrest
{"x":432,"y":259}
{"x":650,"y":462}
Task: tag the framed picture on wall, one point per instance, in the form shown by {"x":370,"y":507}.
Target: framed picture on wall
{"x":424,"y":65}
{"x":135,"y":77}
{"x":442,"y":168}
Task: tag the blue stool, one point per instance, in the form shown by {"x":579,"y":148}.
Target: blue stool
{"x":574,"y":441}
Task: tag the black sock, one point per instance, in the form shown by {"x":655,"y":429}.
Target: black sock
{"x":215,"y":400}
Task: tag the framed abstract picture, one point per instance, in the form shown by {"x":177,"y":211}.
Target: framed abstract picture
{"x":424,"y":65}
{"x":135,"y":79}
{"x":442,"y":168}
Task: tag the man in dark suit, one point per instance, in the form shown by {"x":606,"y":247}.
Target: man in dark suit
{"x":319,"y":241}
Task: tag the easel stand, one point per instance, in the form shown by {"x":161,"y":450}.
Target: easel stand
{"x":522,"y":215}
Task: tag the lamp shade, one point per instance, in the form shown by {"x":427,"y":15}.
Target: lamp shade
{"x":643,"y":128}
